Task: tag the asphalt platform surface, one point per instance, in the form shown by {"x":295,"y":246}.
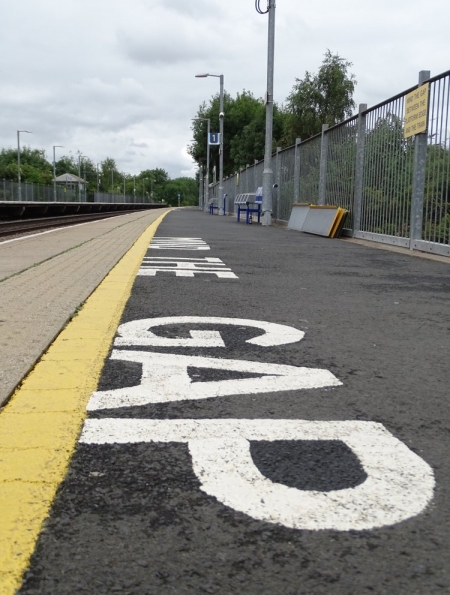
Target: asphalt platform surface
{"x":138,"y":517}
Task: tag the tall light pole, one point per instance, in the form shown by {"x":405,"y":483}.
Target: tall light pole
{"x":54,"y":170}
{"x":143,"y":189}
{"x":80,"y":155}
{"x":19,"y":179}
{"x":268,"y":172}
{"x":134,"y":188}
{"x":221,"y":119}
{"x":205,"y":204}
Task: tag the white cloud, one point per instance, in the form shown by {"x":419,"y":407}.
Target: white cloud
{"x":117,"y":79}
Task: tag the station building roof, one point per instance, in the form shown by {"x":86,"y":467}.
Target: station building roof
{"x":69,"y":179}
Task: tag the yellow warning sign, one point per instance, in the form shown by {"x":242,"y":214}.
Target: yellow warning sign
{"x":416,"y":111}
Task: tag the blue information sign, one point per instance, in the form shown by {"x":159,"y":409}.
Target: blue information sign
{"x":214,"y":138}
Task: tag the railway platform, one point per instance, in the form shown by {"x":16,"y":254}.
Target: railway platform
{"x":45,"y":277}
{"x":223,"y":410}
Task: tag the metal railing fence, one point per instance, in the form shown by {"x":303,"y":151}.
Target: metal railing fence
{"x":341,"y":166}
{"x":388,"y":166}
{"x":29,"y":192}
{"x":436,"y":225}
{"x":396,"y":189}
{"x":285,"y":165}
{"x":309,"y":172}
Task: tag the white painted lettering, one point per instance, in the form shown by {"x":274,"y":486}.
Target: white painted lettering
{"x":178,"y":244}
{"x":138,"y":332}
{"x":165,"y":379}
{"x":185,"y":272}
{"x":399,"y":485}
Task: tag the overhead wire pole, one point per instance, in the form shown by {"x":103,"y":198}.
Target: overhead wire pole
{"x":268,"y":172}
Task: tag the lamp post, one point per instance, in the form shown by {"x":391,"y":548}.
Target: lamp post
{"x":268,"y":172}
{"x":79,"y":175}
{"x":19,"y":189}
{"x":143,"y":189}
{"x":54,"y":170}
{"x":134,"y":189}
{"x":221,"y":119}
{"x":205,"y":204}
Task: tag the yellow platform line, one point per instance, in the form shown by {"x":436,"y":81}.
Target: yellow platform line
{"x":39,"y":427}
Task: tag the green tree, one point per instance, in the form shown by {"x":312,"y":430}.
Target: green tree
{"x":317,"y":99}
{"x":34,"y":166}
{"x":244,"y":131}
{"x":150,"y":182}
{"x":109,"y":176}
{"x":186,"y":187}
{"x":66,"y":165}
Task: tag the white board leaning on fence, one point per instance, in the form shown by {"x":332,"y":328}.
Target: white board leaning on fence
{"x":320,"y":220}
{"x":298,"y":216}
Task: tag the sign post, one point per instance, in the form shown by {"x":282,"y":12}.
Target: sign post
{"x":416,"y":123}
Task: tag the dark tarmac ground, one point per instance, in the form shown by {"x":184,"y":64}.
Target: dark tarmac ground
{"x":132,"y":518}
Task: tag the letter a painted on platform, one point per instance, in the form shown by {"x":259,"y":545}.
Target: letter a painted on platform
{"x":165,"y":379}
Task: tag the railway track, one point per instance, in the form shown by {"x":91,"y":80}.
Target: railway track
{"x":24,"y":227}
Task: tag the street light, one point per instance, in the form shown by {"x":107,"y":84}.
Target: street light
{"x":19,"y":189}
{"x":80,"y":155}
{"x":98,"y":180}
{"x":268,"y":172}
{"x":205,"y":205}
{"x":54,"y":170}
{"x":221,"y":118}
{"x":143,"y":188}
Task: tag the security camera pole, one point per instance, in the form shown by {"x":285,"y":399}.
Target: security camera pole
{"x":268,"y":172}
{"x":221,"y":117}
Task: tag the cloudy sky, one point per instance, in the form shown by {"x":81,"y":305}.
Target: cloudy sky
{"x":115,"y":78}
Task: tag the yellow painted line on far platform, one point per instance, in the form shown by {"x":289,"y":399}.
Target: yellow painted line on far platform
{"x":39,"y":427}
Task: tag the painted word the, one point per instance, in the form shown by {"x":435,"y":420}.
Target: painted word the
{"x":159,"y":243}
{"x":185,"y":267}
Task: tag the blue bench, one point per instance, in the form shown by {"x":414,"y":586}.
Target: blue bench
{"x":214,"y":207}
{"x":249,"y":203}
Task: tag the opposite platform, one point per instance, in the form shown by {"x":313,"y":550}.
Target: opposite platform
{"x":44,"y":278}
